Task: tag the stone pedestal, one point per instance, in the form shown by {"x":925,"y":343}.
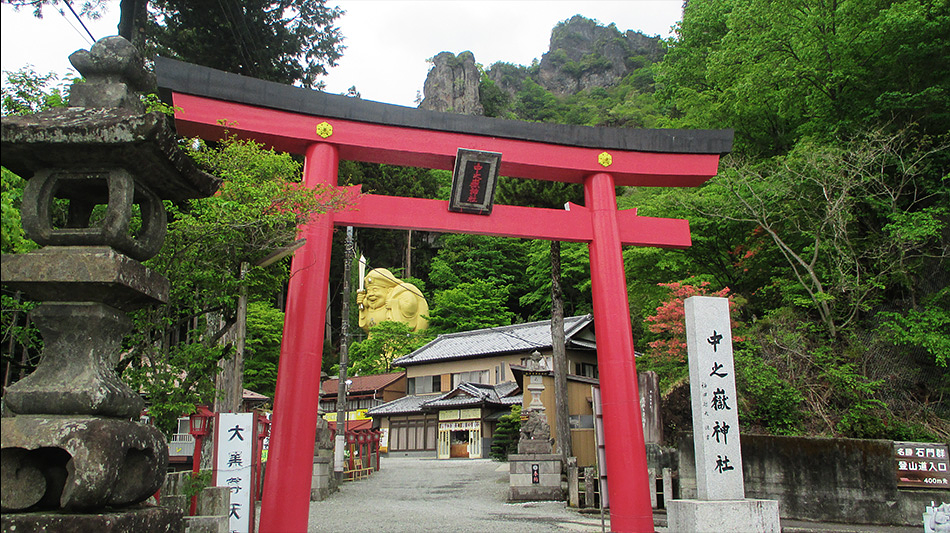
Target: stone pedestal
{"x":534,"y":477}
{"x":320,"y":486}
{"x":723,"y":516}
{"x":151,"y":519}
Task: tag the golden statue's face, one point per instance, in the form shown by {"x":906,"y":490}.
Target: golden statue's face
{"x":375,"y":294}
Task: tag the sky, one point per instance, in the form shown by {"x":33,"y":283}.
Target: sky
{"x":387,"y":41}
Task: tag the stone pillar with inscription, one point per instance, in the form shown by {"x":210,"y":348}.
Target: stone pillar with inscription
{"x":721,"y":504}
{"x":74,"y":456}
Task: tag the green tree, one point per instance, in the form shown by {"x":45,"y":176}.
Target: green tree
{"x":507,"y":433}
{"x":852,"y":222}
{"x":473,"y":258}
{"x":386,"y":341}
{"x":280,"y":40}
{"x":288,"y":41}
{"x":470,"y":305}
{"x":174,"y":350}
{"x":265,"y":330}
{"x":26,"y":92}
{"x":780,"y":71}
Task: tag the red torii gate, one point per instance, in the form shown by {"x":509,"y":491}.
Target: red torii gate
{"x":327,"y":128}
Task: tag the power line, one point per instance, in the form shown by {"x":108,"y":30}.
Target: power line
{"x":73,"y":26}
{"x":81,"y":23}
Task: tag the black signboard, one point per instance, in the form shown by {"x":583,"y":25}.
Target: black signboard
{"x":922,"y":465}
{"x":536,"y":473}
{"x":473,"y":182}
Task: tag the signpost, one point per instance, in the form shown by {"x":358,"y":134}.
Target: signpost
{"x":234,"y":467}
{"x":922,"y":465}
{"x":712,"y":384}
{"x":721,"y":504}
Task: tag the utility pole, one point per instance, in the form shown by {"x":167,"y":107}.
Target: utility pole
{"x":344,"y":352}
{"x":409,"y":255}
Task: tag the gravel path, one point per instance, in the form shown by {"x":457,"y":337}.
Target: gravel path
{"x":418,"y":495}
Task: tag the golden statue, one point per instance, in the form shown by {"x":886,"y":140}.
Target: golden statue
{"x":386,"y":297}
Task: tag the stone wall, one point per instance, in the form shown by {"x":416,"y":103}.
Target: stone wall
{"x":834,"y":480}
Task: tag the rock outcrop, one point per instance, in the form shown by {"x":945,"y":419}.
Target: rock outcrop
{"x":582,"y":54}
{"x":452,"y":84}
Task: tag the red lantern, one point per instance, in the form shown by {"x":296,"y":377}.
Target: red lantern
{"x":199,"y":422}
{"x":199,"y":425}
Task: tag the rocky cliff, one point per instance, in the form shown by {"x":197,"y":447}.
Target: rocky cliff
{"x":582,"y":54}
{"x":452,"y":84}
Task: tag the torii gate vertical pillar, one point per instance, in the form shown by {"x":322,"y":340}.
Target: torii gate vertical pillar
{"x":630,"y":507}
{"x":286,"y":500}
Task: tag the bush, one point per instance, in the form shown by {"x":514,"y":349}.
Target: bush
{"x":505,"y":438}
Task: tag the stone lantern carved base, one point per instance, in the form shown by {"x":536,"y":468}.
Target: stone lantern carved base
{"x":79,"y":463}
{"x":150,"y":519}
{"x":81,"y":347}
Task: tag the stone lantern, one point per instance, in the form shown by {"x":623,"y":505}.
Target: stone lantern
{"x":74,"y":455}
{"x":535,"y":472}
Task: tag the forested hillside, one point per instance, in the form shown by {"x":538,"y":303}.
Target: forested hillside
{"x":827,"y":226}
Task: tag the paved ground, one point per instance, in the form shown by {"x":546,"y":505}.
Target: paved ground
{"x":464,"y":496}
{"x":469,"y":496}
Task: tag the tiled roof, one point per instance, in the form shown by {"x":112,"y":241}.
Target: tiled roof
{"x":362,"y":384}
{"x":490,"y":341}
{"x":251,"y":395}
{"x":406,"y":404}
{"x":464,"y":395}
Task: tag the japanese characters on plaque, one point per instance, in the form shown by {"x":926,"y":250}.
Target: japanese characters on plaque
{"x":712,"y":381}
{"x":473,"y":181}
{"x":234,"y":465}
{"x":922,"y":465}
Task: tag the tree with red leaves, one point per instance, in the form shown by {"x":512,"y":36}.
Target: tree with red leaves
{"x":670,"y":319}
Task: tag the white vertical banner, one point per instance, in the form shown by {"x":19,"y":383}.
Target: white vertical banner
{"x":712,"y":383}
{"x":234,"y":466}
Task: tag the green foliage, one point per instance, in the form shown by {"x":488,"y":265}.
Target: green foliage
{"x":196,"y":482}
{"x":286,"y":41}
{"x":153,"y":103}
{"x":779,"y":72}
{"x":470,"y":305}
{"x":265,"y":329}
{"x":13,"y":241}
{"x":386,"y":341}
{"x":575,"y":280}
{"x":174,"y":379}
{"x":494,"y":101}
{"x":535,"y":103}
{"x":849,"y":222}
{"x":507,"y":433}
{"x":174,"y":350}
{"x":767,"y":400}
{"x":26,"y":92}
{"x":473,"y":258}
{"x":927,"y":327}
